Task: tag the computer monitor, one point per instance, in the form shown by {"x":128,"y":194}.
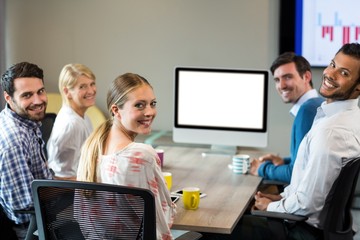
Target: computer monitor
{"x":225,"y":108}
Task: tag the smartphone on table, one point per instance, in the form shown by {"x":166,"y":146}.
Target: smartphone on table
{"x":174,"y":198}
{"x":180,"y":192}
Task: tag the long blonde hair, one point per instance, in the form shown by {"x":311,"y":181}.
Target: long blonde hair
{"x":95,"y":143}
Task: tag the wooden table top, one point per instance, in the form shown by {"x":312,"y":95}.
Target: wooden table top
{"x":228,"y":194}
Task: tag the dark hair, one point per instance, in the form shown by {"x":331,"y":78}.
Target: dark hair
{"x":19,"y":70}
{"x":353,"y":50}
{"x":302,"y":65}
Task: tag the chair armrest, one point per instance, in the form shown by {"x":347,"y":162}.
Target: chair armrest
{"x":274,"y":182}
{"x":285,"y":216}
{"x":25,"y":211}
{"x":278,"y":184}
{"x":190,"y":236}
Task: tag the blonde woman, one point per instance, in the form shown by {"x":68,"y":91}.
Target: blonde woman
{"x":110,"y":154}
{"x":72,"y":126}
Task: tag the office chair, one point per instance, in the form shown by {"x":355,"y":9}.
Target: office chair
{"x":84,"y":210}
{"x":265,"y":183}
{"x":356,"y":201}
{"x":46,"y":128}
{"x":32,"y":229}
{"x":335,"y":217}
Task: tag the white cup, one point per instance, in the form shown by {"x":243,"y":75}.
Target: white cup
{"x":241,"y":164}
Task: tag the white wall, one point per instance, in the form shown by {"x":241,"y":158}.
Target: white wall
{"x":2,"y":45}
{"x":149,"y":38}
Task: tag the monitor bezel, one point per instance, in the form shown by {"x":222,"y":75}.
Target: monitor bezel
{"x":265,"y":73}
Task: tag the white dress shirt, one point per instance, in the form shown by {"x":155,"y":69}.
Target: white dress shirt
{"x":333,"y":138}
{"x":68,"y":135}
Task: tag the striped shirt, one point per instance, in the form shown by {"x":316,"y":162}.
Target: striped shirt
{"x":22,"y":160}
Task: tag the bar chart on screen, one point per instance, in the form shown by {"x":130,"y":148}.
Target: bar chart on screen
{"x":326,"y":26}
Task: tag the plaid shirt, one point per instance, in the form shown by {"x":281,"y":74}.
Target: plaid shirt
{"x":22,"y":160}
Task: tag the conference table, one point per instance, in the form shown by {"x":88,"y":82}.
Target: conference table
{"x":228,"y":194}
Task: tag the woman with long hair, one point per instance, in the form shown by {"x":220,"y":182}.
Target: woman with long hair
{"x":110,"y":155}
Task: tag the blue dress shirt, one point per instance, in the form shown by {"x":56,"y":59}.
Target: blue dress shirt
{"x":302,"y":123}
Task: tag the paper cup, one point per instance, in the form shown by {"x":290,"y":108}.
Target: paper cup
{"x":168,"y":179}
{"x":160,"y":153}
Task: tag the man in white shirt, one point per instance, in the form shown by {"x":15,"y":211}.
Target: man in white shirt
{"x":333,"y":139}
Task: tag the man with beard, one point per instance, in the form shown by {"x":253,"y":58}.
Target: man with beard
{"x":332,"y":141}
{"x":22,"y":156}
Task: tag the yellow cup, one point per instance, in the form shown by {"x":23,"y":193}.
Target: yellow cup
{"x":191,"y":197}
{"x":168,"y":179}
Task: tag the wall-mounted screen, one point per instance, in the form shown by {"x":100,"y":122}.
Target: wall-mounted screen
{"x":319,"y":27}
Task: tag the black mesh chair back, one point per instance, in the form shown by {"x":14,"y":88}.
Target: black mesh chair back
{"x":46,"y":128}
{"x":83,"y":210}
{"x":336,"y":218}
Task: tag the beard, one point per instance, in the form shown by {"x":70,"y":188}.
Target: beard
{"x":338,"y":95}
{"x":26,"y":112}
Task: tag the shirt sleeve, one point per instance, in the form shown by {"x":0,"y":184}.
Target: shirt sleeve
{"x":281,"y":173}
{"x":320,"y":165}
{"x":16,"y":178}
{"x":302,"y":124}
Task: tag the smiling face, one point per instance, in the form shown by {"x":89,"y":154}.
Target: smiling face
{"x":82,"y":95}
{"x":289,"y":84}
{"x":139,"y":111}
{"x":29,"y":100}
{"x":341,"y":79}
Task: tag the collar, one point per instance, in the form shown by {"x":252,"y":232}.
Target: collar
{"x":330,"y":109}
{"x":21,"y":120}
{"x":306,"y":96}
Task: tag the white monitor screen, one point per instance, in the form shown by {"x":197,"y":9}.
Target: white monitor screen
{"x":225,"y":106}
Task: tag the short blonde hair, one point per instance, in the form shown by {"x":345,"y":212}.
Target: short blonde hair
{"x":69,"y":75}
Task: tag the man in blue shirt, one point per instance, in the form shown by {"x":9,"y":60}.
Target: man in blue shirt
{"x":22,"y":156}
{"x":293,"y":81}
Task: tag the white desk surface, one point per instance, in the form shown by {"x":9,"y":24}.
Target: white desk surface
{"x":228,"y":194}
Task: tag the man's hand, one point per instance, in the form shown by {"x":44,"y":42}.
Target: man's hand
{"x":276,"y":160}
{"x":255,"y":163}
{"x":254,"y":166}
{"x":262,"y":200}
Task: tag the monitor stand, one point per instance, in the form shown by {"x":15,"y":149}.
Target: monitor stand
{"x":220,"y":150}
